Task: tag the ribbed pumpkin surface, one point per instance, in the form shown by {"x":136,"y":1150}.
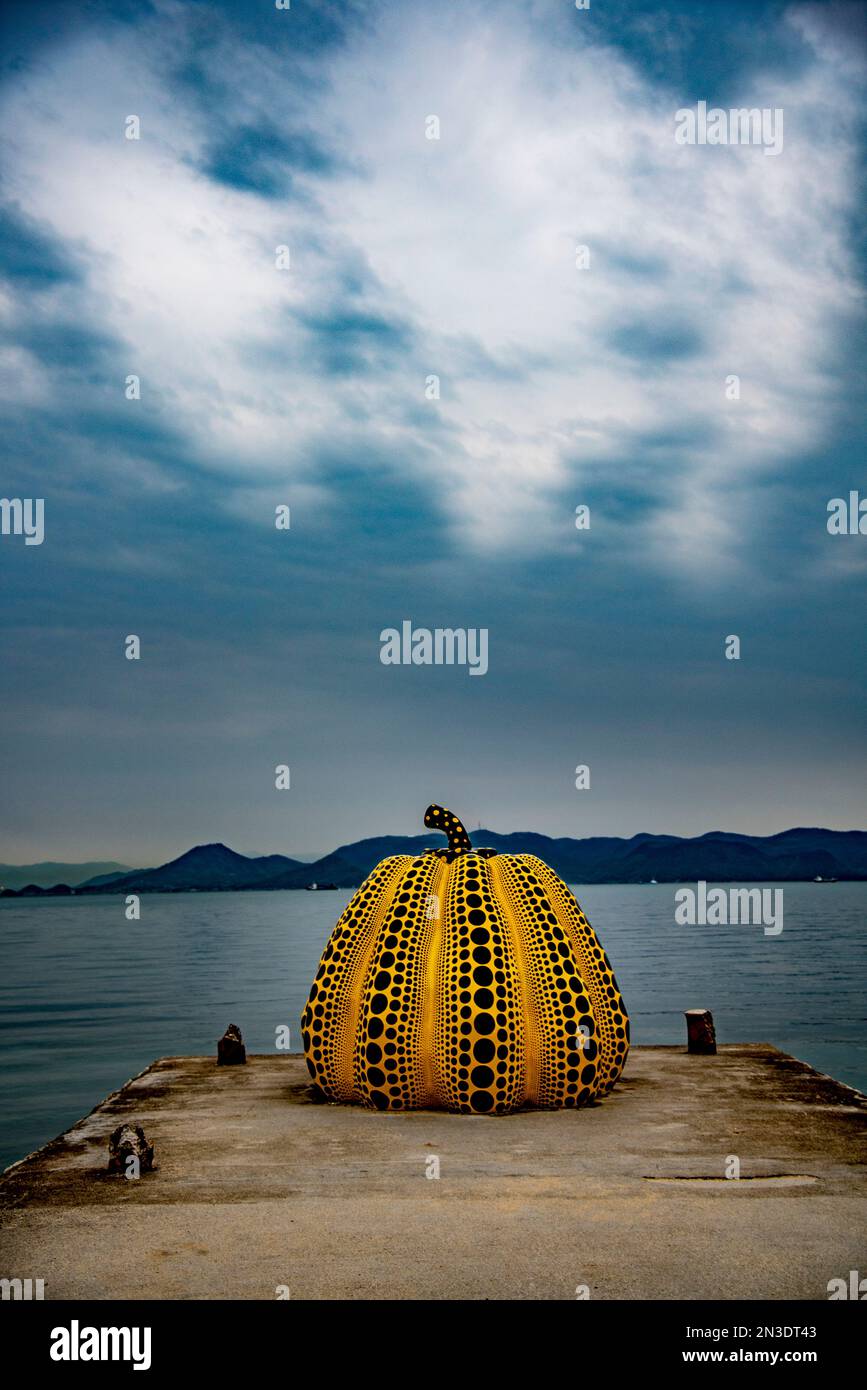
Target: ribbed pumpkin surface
{"x":466,"y":981}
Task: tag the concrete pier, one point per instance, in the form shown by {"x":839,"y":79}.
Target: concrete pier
{"x":257,"y":1188}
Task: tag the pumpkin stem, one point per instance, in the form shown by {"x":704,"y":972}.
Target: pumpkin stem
{"x":438,"y":818}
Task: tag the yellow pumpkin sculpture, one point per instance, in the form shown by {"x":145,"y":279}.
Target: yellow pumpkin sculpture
{"x":463,"y":979}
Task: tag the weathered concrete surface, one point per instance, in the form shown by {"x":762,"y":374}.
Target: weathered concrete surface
{"x":258,"y":1186}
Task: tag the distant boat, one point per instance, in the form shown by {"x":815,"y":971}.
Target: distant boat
{"x":820,"y":879}
{"x":653,"y":880}
{"x":321,"y":887}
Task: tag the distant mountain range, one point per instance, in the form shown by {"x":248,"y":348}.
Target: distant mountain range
{"x":716,"y":857}
{"x":49,"y":871}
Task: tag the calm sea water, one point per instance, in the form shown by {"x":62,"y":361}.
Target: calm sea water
{"x":88,"y":999}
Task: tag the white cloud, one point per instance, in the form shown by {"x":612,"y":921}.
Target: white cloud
{"x":470,"y":239}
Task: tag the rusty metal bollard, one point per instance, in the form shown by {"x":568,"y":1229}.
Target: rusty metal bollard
{"x":700,"y":1035}
{"x":231,"y":1051}
{"x":126,"y":1143}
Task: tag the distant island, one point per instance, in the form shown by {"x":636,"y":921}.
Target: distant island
{"x":718,"y":856}
{"x":50,"y":871}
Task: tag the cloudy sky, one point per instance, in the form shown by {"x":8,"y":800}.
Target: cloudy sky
{"x":559,"y":386}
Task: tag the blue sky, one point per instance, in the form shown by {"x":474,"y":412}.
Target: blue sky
{"x":558,"y":387}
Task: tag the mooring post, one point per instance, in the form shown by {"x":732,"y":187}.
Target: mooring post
{"x":230,"y":1049}
{"x":130,"y":1151}
{"x":700,"y":1035}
